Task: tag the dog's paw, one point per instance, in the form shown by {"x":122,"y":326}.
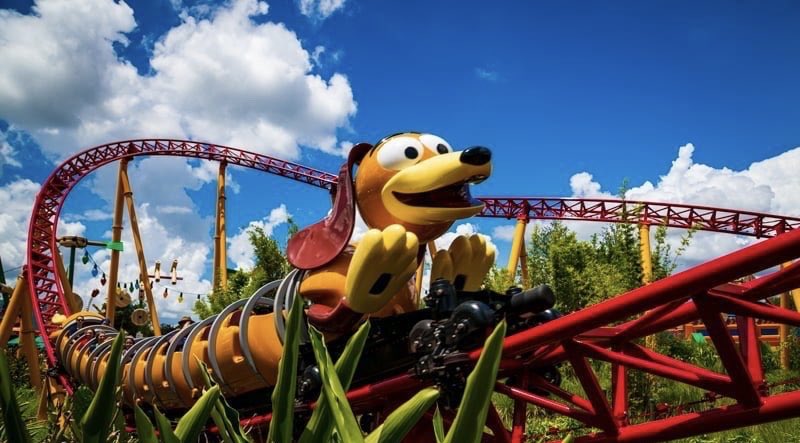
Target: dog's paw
{"x":465,"y":263}
{"x":382,"y":263}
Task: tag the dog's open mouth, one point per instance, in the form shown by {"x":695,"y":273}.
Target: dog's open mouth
{"x":451,"y":196}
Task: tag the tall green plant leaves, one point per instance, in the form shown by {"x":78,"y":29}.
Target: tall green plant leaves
{"x":164,"y":428}
{"x":144,"y":429}
{"x":346,"y":424}
{"x":12,"y":419}
{"x":402,"y":419}
{"x":438,"y":426}
{"x":96,"y":423}
{"x":471,"y":417}
{"x":193,"y":422}
{"x":280,"y":427}
{"x":320,"y":426}
{"x":225,"y":417}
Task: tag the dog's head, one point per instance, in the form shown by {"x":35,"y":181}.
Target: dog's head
{"x":412,"y":179}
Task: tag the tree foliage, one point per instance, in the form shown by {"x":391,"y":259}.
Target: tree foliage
{"x":585,"y":272}
{"x":270,"y":264}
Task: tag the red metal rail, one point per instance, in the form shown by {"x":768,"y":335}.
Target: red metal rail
{"x":703,"y":218}
{"x":43,"y":283}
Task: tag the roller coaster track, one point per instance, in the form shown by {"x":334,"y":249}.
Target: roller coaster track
{"x":603,"y":331}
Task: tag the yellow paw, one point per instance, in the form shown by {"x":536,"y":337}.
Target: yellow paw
{"x":382,"y":263}
{"x":465,"y":263}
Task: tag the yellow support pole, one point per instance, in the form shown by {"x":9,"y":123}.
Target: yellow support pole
{"x":137,"y":240}
{"x":13,"y":311}
{"x":523,"y":262}
{"x":517,"y":244}
{"x":27,"y":339}
{"x":647,"y":269}
{"x":72,"y":300}
{"x":116,"y":236}
{"x":418,"y":281}
{"x":220,"y":238}
{"x":783,"y":330}
{"x":432,"y":249}
{"x":647,"y":260}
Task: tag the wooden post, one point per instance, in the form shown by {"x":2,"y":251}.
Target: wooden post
{"x":783,"y":329}
{"x":220,"y":239}
{"x":72,"y":300}
{"x":13,"y":311}
{"x":116,"y":236}
{"x":27,"y":339}
{"x":517,"y":246}
{"x":647,"y":259}
{"x":144,"y":278}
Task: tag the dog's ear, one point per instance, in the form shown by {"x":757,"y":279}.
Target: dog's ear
{"x":321,"y":242}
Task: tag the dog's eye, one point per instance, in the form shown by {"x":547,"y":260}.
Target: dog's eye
{"x":399,"y":153}
{"x":435,"y":143}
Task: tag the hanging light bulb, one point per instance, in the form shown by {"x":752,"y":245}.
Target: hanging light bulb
{"x":137,"y":283}
{"x":95,"y":292}
{"x":166,"y":292}
{"x":103,"y":279}
{"x":85,"y":258}
{"x":95,"y":271}
{"x":180,"y":297}
{"x":130,"y":288}
{"x":118,"y":285}
{"x":198,"y":296}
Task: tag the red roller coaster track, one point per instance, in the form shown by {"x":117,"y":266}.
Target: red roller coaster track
{"x":601,"y":332}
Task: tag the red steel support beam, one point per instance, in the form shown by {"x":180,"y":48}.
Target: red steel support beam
{"x":591,"y":387}
{"x":744,"y":386}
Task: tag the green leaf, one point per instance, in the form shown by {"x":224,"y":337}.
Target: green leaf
{"x":12,"y":419}
{"x":438,"y":426}
{"x":165,"y":428}
{"x":335,"y":397}
{"x":193,"y":422}
{"x":320,"y":426}
{"x":281,"y":426}
{"x":226,"y":418}
{"x":471,"y":417}
{"x":96,"y":423}
{"x":402,"y":419}
{"x":570,"y":438}
{"x":144,"y":429}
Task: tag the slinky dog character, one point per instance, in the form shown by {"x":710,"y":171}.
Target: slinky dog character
{"x":409,"y":189}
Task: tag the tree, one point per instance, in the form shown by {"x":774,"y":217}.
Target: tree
{"x":582,"y":273}
{"x":270,"y":264}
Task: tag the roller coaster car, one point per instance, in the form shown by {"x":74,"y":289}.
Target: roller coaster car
{"x":432,"y":342}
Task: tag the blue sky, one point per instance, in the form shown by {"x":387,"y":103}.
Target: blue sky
{"x":687,"y":101}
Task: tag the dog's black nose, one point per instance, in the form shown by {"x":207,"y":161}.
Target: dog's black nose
{"x":476,"y":155}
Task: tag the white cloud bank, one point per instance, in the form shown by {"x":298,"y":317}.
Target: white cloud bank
{"x":225,"y":79}
{"x":221,"y":76}
{"x":767,"y":186}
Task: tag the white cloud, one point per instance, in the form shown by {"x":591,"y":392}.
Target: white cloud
{"x":320,"y":9}
{"x":225,"y":79}
{"x":486,"y":74}
{"x":7,"y":154}
{"x":16,"y":199}
{"x":240,"y":251}
{"x":503,"y":233}
{"x":158,"y":244}
{"x":767,"y":186}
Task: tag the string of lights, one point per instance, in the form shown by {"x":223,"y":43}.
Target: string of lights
{"x":135,"y":285}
